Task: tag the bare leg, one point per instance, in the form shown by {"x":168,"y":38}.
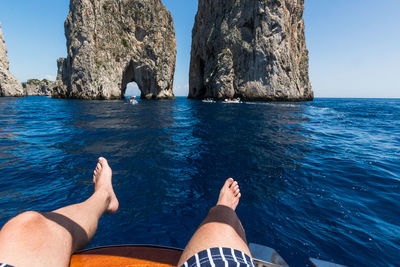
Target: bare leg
{"x":49,"y":239}
{"x":216,"y":234}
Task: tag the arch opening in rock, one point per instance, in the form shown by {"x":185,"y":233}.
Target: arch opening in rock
{"x":130,"y":85}
{"x":132,"y":89}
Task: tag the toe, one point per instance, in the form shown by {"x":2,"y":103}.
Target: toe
{"x":228,"y":182}
{"x":102,"y":161}
{"x":237,"y":191}
{"x":234,"y":187}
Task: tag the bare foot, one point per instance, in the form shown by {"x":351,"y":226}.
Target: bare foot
{"x":230,"y":194}
{"x":102,"y":181}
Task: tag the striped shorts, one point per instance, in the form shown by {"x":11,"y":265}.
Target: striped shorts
{"x":226,"y":257}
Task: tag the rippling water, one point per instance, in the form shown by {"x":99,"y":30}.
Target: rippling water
{"x":319,"y":179}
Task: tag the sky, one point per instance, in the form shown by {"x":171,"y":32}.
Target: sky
{"x":354,"y":46}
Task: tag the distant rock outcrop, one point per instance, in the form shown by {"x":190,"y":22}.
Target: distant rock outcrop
{"x":114,"y":42}
{"x":255,"y":50}
{"x":9,"y":85}
{"x":34,"y":87}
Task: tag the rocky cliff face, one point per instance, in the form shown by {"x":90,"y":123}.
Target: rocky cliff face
{"x":113,"y":42}
{"x":36,"y":87}
{"x":255,"y":50}
{"x":9,"y":85}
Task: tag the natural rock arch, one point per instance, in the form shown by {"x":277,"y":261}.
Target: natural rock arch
{"x":113,"y":42}
{"x":145,"y":79}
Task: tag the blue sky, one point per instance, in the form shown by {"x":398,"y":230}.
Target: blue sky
{"x":354,"y":45}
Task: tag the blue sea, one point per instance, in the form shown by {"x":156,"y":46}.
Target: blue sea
{"x":318,"y":179}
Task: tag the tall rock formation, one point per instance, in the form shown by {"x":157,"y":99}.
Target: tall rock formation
{"x":114,"y":42}
{"x":255,"y":50}
{"x":9,"y":85}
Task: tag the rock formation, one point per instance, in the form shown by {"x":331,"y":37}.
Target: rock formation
{"x":114,"y":42}
{"x":255,"y":50}
{"x":9,"y":85}
{"x":36,"y":87}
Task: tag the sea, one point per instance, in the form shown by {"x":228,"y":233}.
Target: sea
{"x":318,"y":179}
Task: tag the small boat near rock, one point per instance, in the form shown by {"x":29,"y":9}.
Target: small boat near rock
{"x":132,"y":100}
{"x":209,"y":100}
{"x":232,"y":101}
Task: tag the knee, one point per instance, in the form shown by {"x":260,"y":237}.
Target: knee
{"x":30,"y":217}
{"x":24,"y":224}
{"x":27,"y":219}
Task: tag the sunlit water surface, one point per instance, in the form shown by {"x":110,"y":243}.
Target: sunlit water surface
{"x":319,"y":179}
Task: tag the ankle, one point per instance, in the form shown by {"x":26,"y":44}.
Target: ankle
{"x":104,"y":194}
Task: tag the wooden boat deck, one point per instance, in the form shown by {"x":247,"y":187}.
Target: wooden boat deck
{"x":127,"y":256}
{"x":139,"y":255}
